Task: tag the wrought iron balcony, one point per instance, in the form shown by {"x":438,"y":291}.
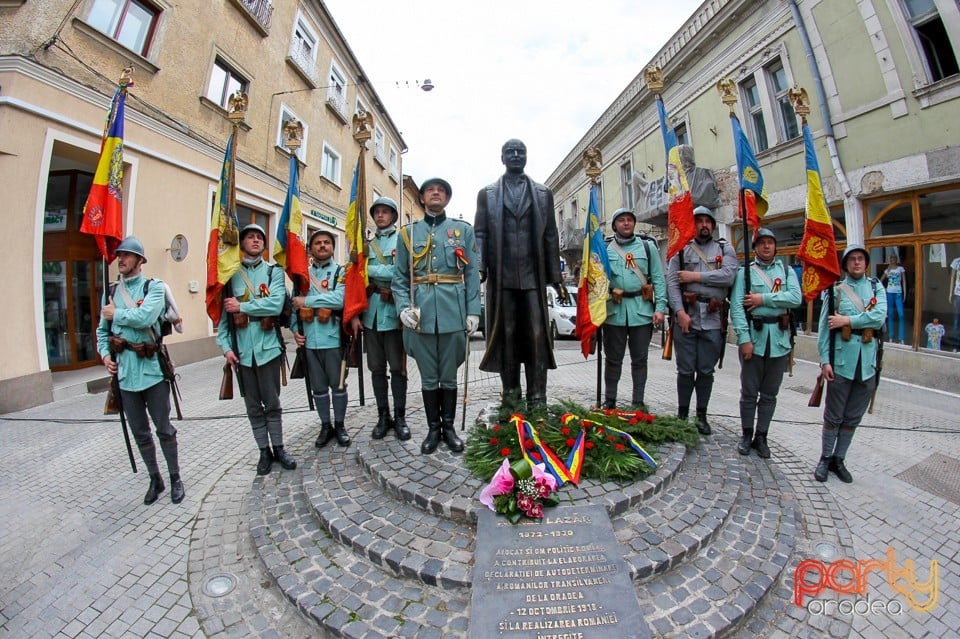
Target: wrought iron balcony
{"x":259,"y":12}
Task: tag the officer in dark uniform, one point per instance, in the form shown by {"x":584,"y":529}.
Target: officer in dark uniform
{"x":436,"y":288}
{"x":698,"y":279}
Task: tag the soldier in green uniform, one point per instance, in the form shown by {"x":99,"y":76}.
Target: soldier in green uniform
{"x":439,"y":305}
{"x":860,"y":309}
{"x":381,"y":327}
{"x":253,"y":299}
{"x":637,"y":303}
{"x":317,"y":326}
{"x":763,"y":339}
{"x":126,"y":340}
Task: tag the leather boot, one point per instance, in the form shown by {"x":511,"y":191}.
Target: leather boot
{"x":265,"y":463}
{"x":703,"y":426}
{"x":431,"y":406}
{"x":383,"y":422}
{"x":398,"y":385}
{"x":400,"y":424}
{"x":820,"y":474}
{"x":177,"y":493}
{"x":448,"y":413}
{"x":836,"y":465}
{"x":153,"y":492}
{"x":284,"y":458}
{"x":326,"y":434}
{"x":760,"y":445}
{"x":746,"y":438}
{"x":340,"y":432}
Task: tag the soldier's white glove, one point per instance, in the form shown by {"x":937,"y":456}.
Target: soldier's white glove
{"x":473,"y":323}
{"x":410,"y":317}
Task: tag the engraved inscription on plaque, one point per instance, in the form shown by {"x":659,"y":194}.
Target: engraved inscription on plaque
{"x":560,"y":578}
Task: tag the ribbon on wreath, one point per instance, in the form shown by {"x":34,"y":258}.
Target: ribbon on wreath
{"x":530,"y":441}
{"x":627,"y":437}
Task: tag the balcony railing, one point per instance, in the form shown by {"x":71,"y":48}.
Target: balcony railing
{"x":302,"y":60}
{"x":337,"y":101}
{"x":258,"y":12}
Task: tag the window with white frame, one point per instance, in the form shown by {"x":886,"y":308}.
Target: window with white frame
{"x":787,"y":127}
{"x":379,"y":146}
{"x":770,"y":119}
{"x":680,"y":130}
{"x":287,"y":114}
{"x":394,"y":163}
{"x":933,"y":39}
{"x":132,"y":23}
{"x":224,"y":82}
{"x":337,"y":90}
{"x":361,"y":107}
{"x":756,"y":122}
{"x":303,"y":46}
{"x":626,"y":184}
{"x":330,"y":164}
{"x":574,"y":212}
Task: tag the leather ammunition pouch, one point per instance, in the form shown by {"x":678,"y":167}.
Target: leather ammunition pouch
{"x":266,"y":323}
{"x":142,"y":349}
{"x":866,"y":334}
{"x":758,"y":322}
{"x":306,"y":314}
{"x":646,"y":292}
{"x":386,"y":294}
{"x":241,"y":320}
{"x":324,"y":315}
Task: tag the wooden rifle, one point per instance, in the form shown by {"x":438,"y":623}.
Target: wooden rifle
{"x":816,"y":397}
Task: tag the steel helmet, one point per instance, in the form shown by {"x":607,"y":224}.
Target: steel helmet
{"x":620,"y":212}
{"x":130,"y":244}
{"x":765,"y":233}
{"x":702,"y":210}
{"x":435,"y":180}
{"x":253,"y":227}
{"x":333,"y":238}
{"x":850,"y":249}
{"x":388,"y":202}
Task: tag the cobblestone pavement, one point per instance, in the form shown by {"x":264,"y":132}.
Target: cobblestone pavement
{"x":83,"y":557}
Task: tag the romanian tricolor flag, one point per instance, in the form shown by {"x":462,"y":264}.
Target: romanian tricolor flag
{"x":103,"y":211}
{"x":680,"y":227}
{"x":288,"y":249}
{"x":751,"y":180}
{"x":355,"y":291}
{"x":223,"y":247}
{"x":594,"y":278}
{"x":818,"y":248}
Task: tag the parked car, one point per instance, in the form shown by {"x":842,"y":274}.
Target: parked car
{"x":563,"y":315}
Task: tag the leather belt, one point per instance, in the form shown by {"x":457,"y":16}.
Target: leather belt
{"x":142,"y":349}
{"x":438,"y":278}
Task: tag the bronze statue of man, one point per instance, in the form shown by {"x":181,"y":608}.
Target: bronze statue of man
{"x":519,"y":257}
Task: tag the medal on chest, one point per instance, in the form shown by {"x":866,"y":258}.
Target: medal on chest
{"x":631,"y":262}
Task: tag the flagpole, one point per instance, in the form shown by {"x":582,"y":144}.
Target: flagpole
{"x":593,"y":171}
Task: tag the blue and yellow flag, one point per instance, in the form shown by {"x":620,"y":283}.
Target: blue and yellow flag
{"x":751,"y":180}
{"x":223,"y":245}
{"x":355,"y":299}
{"x":594,"y":278}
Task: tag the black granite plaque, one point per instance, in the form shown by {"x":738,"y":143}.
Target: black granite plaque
{"x":560,"y":578}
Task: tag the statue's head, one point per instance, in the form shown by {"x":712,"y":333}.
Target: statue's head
{"x":686,"y":157}
{"x":514,"y":155}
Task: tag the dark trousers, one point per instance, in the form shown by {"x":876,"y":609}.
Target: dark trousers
{"x":760,"y":379}
{"x":156,"y":401}
{"x":615,"y":340}
{"x":261,"y":385}
{"x":697,"y":354}
{"x":324,"y":367}
{"x":383,"y":348}
{"x":525,"y":341}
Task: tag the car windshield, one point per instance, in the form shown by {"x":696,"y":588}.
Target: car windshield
{"x":571,"y":297}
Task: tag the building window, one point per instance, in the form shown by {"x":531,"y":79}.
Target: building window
{"x":246,"y":215}
{"x":330,"y":165}
{"x":786,"y":118}
{"x":361,"y":107}
{"x":379,"y":146}
{"x":680,"y":130}
{"x":303,"y":48}
{"x":129,"y":22}
{"x":769,"y":114}
{"x":286,"y":114}
{"x":337,"y":91}
{"x":626,"y":184}
{"x":756,"y":124}
{"x":932,"y":38}
{"x":224,"y":82}
{"x":394,"y":163}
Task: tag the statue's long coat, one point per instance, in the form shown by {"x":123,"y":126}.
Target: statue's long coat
{"x":488,"y":226}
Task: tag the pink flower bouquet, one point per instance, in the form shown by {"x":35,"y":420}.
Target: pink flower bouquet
{"x":520,"y":490}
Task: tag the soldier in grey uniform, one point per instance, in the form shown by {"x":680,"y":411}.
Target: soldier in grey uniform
{"x":698,"y":279}
{"x":254,"y":297}
{"x":126,"y":340}
{"x":763,"y":338}
{"x":381,"y":327}
{"x":519,"y":257}
{"x":439,"y":305}
{"x":637,"y":303}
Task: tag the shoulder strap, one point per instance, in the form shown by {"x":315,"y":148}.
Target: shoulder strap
{"x":630,"y":263}
{"x":375,"y":247}
{"x":703,"y":257}
{"x":248,"y":283}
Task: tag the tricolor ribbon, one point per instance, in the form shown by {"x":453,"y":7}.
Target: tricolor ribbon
{"x":530,"y":441}
{"x":461,"y":256}
{"x":777,"y":283}
{"x":631,"y":263}
{"x":264,"y":290}
{"x":872,"y":303}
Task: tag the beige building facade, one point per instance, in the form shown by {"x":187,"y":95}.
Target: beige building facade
{"x":884,"y":88}
{"x":60,"y":61}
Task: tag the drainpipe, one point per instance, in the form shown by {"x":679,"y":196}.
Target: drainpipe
{"x":851,"y":207}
